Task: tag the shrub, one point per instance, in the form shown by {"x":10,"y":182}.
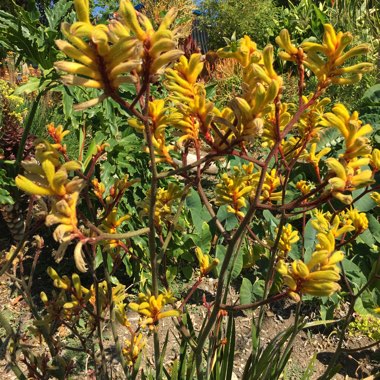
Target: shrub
{"x":288,"y":213}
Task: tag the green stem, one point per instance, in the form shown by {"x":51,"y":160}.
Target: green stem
{"x":27,"y":127}
{"x":113,"y":317}
{"x":103,"y":367}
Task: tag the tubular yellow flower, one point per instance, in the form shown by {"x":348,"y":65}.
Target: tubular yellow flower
{"x":291,"y":52}
{"x":269,"y":135}
{"x":204,"y":262}
{"x":303,"y":187}
{"x":234,"y":190}
{"x":99,"y":188}
{"x":349,"y":177}
{"x":310,"y":121}
{"x":357,"y":219}
{"x":376,"y":197}
{"x":50,"y":178}
{"x":105,"y":55}
{"x":244,"y":51}
{"x":326,"y":59}
{"x":160,"y":117}
{"x":190,"y":98}
{"x":324,"y":223}
{"x":271,"y":183}
{"x":165,"y":200}
{"x":352,"y":130}
{"x":132,"y":349}
{"x":287,"y":239}
{"x":151,"y":309}
{"x":110,"y":225}
{"x":320,"y":276}
{"x":249,"y":126}
{"x":313,"y":158}
{"x":375,"y":159}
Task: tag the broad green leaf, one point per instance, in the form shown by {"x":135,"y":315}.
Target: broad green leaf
{"x":237,"y":265}
{"x":246,"y":291}
{"x":198,"y":213}
{"x":30,"y":86}
{"x":310,"y":239}
{"x":374,"y":227}
{"x":220,"y":254}
{"x":365,"y":203}
{"x":354,"y":273}
{"x":258,"y":289}
{"x":203,"y":238}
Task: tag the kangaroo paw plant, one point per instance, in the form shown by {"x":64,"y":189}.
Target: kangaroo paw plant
{"x":284,"y":207}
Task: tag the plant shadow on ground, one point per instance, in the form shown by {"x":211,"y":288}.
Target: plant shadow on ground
{"x":356,"y":365}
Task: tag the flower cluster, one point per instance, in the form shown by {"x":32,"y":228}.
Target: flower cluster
{"x":234,"y":189}
{"x":319,"y":276}
{"x":190,"y":98}
{"x":47,"y":176}
{"x":110,"y":226}
{"x":151,"y":308}
{"x":132,"y":348}
{"x":204,"y":262}
{"x":325,"y":60}
{"x":160,"y":117}
{"x":106,"y":55}
{"x":287,"y":239}
{"x":165,"y":200}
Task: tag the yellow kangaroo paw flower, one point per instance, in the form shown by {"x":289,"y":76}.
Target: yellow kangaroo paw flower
{"x":82,"y":8}
{"x":71,"y":80}
{"x":129,"y":14}
{"x":168,"y":19}
{"x":75,"y":53}
{"x":324,"y":275}
{"x":30,"y":187}
{"x":165,"y":59}
{"x":164,"y":44}
{"x":124,"y":67}
{"x":78,"y":258}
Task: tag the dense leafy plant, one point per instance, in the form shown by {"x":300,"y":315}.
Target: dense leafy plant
{"x":288,"y":214}
{"x":223,"y":18}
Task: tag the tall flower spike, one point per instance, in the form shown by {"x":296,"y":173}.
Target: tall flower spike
{"x":244,"y":51}
{"x":234,"y":190}
{"x":204,"y":262}
{"x":110,"y":225}
{"x":291,"y":52}
{"x":287,"y":239}
{"x":165,"y":201}
{"x":160,"y":44}
{"x":101,"y":62}
{"x":189,"y":97}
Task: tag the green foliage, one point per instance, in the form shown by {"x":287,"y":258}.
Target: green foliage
{"x":367,"y":325}
{"x":24,"y":34}
{"x":223,"y":18}
{"x":5,"y":182}
{"x":370,"y":109}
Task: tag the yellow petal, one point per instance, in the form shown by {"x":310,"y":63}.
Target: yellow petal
{"x":30,"y":187}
